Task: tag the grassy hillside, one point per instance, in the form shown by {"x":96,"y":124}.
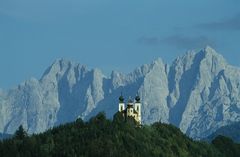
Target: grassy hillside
{"x":101,"y":137}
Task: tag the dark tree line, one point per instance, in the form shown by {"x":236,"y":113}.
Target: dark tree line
{"x":100,"y":137}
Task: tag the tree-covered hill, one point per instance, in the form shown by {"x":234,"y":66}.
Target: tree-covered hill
{"x":100,"y":137}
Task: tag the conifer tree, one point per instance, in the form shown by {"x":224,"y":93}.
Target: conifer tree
{"x":20,"y":133}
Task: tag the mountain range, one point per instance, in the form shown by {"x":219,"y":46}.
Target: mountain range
{"x":199,"y":93}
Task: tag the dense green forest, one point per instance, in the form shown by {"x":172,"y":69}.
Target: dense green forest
{"x":114,"y":138}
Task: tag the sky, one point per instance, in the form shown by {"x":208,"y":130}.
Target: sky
{"x":111,"y":34}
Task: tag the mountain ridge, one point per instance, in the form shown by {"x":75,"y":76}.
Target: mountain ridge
{"x":198,"y":93}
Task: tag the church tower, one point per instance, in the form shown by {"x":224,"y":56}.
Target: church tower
{"x":137,"y":107}
{"x":121,"y":106}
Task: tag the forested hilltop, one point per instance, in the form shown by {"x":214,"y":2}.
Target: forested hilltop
{"x":114,"y":138}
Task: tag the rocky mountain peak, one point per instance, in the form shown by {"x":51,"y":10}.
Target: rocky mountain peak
{"x":210,"y":54}
{"x":158,"y":61}
{"x":208,"y":49}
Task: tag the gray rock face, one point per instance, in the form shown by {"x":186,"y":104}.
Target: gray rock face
{"x":199,"y":93}
{"x":204,"y":93}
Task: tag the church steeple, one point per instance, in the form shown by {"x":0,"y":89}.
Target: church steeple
{"x":121,"y":106}
{"x":121,"y":99}
{"x":138,"y":107}
{"x":137,"y":98}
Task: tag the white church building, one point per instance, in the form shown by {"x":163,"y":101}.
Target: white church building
{"x":131,"y":109}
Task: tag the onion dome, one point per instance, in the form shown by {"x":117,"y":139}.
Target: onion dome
{"x":137,"y":98}
{"x":121,"y":99}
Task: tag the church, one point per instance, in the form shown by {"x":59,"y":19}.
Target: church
{"x":131,"y":109}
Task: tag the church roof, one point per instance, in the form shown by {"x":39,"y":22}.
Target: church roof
{"x":130,"y":101}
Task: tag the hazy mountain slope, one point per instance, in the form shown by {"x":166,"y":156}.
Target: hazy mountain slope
{"x":199,"y":93}
{"x":232,"y":131}
{"x":5,"y":136}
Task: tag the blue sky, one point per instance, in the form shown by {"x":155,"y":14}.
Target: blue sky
{"x":111,"y":34}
